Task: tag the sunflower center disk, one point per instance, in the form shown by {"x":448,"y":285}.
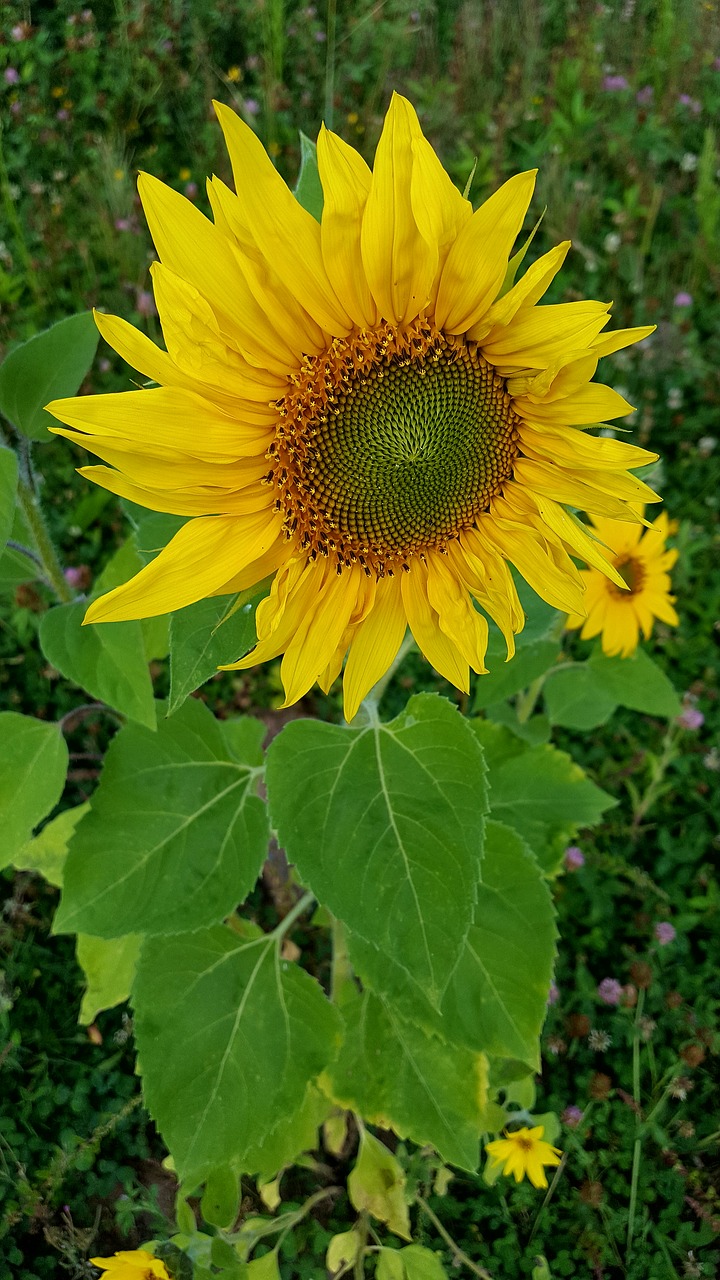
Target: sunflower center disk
{"x":390,"y":443}
{"x":633,"y":573}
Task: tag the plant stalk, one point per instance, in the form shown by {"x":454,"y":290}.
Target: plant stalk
{"x":52,"y":569}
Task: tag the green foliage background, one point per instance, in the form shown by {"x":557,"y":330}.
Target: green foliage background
{"x":617,"y":105}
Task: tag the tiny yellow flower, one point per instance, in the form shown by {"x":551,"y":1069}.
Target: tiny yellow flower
{"x":58,"y":91}
{"x":643,"y":561}
{"x":136,"y":1264}
{"x":185,"y":175}
{"x":118,"y":174}
{"x":524,"y":1152}
{"x":234,"y":74}
{"x":352,"y":117}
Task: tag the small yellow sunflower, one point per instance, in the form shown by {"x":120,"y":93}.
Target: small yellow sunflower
{"x":643,"y":561}
{"x":135,"y":1264}
{"x":523,"y":1152}
{"x":359,"y":407}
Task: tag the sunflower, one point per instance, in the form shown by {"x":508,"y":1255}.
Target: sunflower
{"x":643,"y":561}
{"x":364,"y":407}
{"x":523,"y":1152}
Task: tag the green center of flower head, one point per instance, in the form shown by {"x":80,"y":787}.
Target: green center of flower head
{"x":391,"y":443}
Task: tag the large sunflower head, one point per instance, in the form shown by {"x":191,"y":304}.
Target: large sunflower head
{"x":363,"y":407}
{"x":643,"y":561}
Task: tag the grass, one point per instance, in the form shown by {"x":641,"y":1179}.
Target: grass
{"x":616,"y":104}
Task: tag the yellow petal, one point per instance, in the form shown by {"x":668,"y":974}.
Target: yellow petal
{"x":575,"y":448}
{"x":189,"y":244}
{"x":205,"y":501}
{"x":287,"y":318}
{"x":526,"y":292}
{"x":399,"y":263}
{"x":458,"y":617}
{"x":438,"y":648}
{"x":594,"y":403}
{"x":168,"y":469}
{"x":439,"y":210}
{"x":529,"y":553}
{"x":605,"y":494}
{"x":611,"y":342}
{"x":374,"y":645}
{"x":346,"y":181}
{"x":476,"y":264}
{"x":142,"y":354}
{"x":286,"y":234}
{"x":201,"y":557}
{"x":318,"y":635}
{"x":537,"y":336}
{"x":170,"y":418}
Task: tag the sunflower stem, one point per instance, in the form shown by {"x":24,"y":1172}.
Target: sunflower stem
{"x":526,"y":702}
{"x":637,"y":1150}
{"x":52,"y":569}
{"x":330,"y":63}
{"x":458,"y":1255}
{"x":659,"y":768}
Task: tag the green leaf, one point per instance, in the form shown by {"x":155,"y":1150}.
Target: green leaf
{"x":109,"y":968}
{"x":343,"y":1249}
{"x":46,"y":853}
{"x":295,"y":1131}
{"x":221,"y":1197}
{"x":8,"y":488}
{"x":176,"y":834}
{"x":224,"y":1029}
{"x":498,"y":995}
{"x":107,"y":661}
{"x":385,"y":825}
{"x":376,"y":1185}
{"x":33,"y":765}
{"x":308,"y":191}
{"x":47,"y":367}
{"x":265,"y":1268}
{"x":496,"y":1000}
{"x":396,"y":1074}
{"x":637,"y":683}
{"x":575,"y":698}
{"x":422,"y":1264}
{"x":15,"y":567}
{"x":539,"y":791}
{"x":203,"y":636}
{"x":389,"y":1265}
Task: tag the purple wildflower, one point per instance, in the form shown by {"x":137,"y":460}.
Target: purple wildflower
{"x":691,"y":718}
{"x":571,"y":1117}
{"x":612,"y":84}
{"x":553,"y":993}
{"x":252,"y":108}
{"x":145,"y":303}
{"x":691,"y":103}
{"x":645,"y":95}
{"x":122,"y":224}
{"x":12,"y":76}
{"x":574,"y":858}
{"x":682,"y":299}
{"x":664,"y":932}
{"x":610,"y":991}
